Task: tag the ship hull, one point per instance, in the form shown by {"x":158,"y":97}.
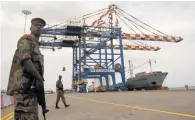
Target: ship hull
{"x":147,"y":81}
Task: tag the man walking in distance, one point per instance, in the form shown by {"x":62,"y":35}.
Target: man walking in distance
{"x":26,"y":74}
{"x":60,"y":93}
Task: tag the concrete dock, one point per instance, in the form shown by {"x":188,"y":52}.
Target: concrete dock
{"x":144,"y":105}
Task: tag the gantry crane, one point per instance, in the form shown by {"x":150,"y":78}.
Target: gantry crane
{"x":94,"y":45}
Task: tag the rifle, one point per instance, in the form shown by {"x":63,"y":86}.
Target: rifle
{"x":40,"y":93}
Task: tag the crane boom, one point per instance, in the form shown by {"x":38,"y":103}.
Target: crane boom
{"x":135,"y":47}
{"x":151,"y":37}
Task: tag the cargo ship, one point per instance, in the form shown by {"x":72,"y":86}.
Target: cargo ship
{"x":152,"y":80}
{"x":146,"y":81}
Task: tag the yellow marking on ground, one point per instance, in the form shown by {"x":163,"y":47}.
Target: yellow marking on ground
{"x":135,"y":107}
{"x":8,"y":116}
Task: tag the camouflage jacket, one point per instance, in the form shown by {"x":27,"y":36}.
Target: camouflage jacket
{"x":27,"y":48}
{"x":59,"y":85}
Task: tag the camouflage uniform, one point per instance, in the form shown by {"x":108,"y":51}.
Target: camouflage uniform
{"x":60,"y":92}
{"x":21,"y":83}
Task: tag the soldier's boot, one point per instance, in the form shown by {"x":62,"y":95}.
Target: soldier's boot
{"x":57,"y":107}
{"x":66,"y":105}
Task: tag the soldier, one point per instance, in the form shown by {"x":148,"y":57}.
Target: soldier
{"x":60,"y":93}
{"x":26,"y":74}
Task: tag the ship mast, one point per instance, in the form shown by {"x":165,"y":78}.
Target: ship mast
{"x":150,"y":63}
{"x":131,"y":68}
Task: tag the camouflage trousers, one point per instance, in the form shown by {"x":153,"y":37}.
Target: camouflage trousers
{"x":26,"y":107}
{"x":60,"y":94}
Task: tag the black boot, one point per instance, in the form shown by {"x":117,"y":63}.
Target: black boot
{"x":66,"y":105}
{"x":57,"y":107}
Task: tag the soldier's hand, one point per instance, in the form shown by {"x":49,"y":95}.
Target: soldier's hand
{"x":45,"y":110}
{"x":39,"y":84}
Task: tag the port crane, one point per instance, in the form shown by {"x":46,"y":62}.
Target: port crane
{"x":97,"y":40}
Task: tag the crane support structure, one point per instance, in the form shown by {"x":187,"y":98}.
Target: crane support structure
{"x":98,"y":47}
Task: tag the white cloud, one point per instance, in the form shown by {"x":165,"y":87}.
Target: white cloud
{"x":175,"y":18}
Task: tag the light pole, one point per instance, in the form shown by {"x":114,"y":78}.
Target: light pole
{"x":26,"y":12}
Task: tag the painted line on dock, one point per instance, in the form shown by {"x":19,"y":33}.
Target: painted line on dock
{"x":135,"y":107}
{"x":8,"y":116}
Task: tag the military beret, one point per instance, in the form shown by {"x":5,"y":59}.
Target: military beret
{"x":38,"y":19}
